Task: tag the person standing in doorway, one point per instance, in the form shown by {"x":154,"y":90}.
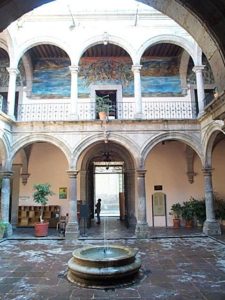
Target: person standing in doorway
{"x":98,"y":210}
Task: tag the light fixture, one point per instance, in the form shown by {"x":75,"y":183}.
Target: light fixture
{"x":105,"y":38}
{"x":107,"y":156}
{"x":73,"y":25}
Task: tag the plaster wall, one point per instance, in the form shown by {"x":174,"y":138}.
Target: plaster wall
{"x":218,"y":165}
{"x":47,"y":164}
{"x":166,"y":165}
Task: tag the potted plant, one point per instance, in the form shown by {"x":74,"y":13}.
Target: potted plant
{"x":176,"y":210}
{"x":188,"y":213}
{"x":3,"y":227}
{"x":103,"y":106}
{"x":42,"y":191}
{"x":199,"y":210}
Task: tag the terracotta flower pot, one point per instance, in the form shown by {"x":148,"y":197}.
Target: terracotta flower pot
{"x":176,"y":223}
{"x":41,"y":229}
{"x":102,"y":115}
{"x":188,"y":223}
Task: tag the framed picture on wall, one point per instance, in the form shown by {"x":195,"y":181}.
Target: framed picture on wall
{"x":63,"y":193}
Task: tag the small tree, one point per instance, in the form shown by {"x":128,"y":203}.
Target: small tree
{"x":176,"y":210}
{"x":42,"y":191}
{"x":104,"y":104}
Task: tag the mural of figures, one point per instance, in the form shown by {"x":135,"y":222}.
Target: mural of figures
{"x":4,"y":74}
{"x":160,"y":76}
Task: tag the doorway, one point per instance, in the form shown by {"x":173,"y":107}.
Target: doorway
{"x":109,"y":186}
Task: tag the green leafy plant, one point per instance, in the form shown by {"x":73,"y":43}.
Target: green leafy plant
{"x":199,"y":209}
{"x":176,"y":210}
{"x":42,"y":191}
{"x":104,"y":104}
{"x":187,"y":211}
{"x":219,"y":205}
{"x":3,"y":228}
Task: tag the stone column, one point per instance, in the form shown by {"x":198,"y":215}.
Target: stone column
{"x":142,"y":225}
{"x":12,"y":91}
{"x":211,"y":226}
{"x":74,"y":91}
{"x":5,"y":199}
{"x":15,"y":194}
{"x":72,"y":230}
{"x":137,"y":91}
{"x":200,"y":87}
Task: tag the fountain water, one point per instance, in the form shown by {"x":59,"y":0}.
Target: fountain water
{"x":103,"y":266}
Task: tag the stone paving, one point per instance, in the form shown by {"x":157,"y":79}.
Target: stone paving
{"x":172,"y":268}
{"x":176,"y":264}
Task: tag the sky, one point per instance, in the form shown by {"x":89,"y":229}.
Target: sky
{"x":93,"y":5}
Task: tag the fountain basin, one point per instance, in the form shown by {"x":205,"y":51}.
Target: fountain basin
{"x":98,"y":266}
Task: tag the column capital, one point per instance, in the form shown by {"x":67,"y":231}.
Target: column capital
{"x":141,"y":172}
{"x":13,"y":71}
{"x":72,"y":173}
{"x":199,"y":68}
{"x":6,"y":174}
{"x":136,"y":68}
{"x":74,"y":69}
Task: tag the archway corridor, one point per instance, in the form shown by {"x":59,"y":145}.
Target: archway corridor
{"x":109,"y":176}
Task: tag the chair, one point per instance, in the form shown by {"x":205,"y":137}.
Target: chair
{"x":61,"y":225}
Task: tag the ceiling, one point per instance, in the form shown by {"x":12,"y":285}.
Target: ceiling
{"x":109,"y":50}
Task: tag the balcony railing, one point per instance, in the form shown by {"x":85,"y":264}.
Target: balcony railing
{"x":124,"y":111}
{"x":43,"y":112}
{"x":169,"y":110}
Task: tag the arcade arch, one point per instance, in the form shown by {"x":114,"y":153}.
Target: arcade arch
{"x":174,"y":169}
{"x":38,"y":162}
{"x":97,"y":164}
{"x":215,"y":161}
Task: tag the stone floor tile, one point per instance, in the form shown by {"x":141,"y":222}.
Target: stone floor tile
{"x":172,"y":268}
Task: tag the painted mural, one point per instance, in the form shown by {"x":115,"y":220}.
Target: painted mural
{"x":4,"y":74}
{"x":160,"y":76}
{"x":207,"y":72}
{"x":51,"y":78}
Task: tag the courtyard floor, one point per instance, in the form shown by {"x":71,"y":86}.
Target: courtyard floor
{"x":185,"y":265}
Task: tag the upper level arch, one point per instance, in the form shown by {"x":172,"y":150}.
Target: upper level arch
{"x":99,"y":39}
{"x":171,"y":39}
{"x":39,"y":40}
{"x":199,"y":28}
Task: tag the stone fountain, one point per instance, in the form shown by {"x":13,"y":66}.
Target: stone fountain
{"x":101,"y":266}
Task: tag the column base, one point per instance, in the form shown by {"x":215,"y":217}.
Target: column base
{"x":9,"y":230}
{"x":212,"y":228}
{"x":72,"y":231}
{"x":142,"y":231}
